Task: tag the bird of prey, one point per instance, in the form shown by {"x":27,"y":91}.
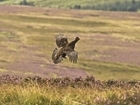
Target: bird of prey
{"x":65,"y":49}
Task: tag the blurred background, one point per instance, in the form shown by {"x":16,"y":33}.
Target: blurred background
{"x":109,"y":31}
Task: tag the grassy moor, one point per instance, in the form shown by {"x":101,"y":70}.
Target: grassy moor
{"x":15,"y":90}
{"x":108,"y":49}
{"x":107,"y":71}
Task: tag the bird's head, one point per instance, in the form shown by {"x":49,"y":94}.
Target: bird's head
{"x":77,"y":38}
{"x":64,"y":41}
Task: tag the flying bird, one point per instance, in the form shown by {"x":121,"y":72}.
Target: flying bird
{"x":65,"y":49}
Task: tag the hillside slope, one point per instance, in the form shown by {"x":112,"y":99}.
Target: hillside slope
{"x":108,"y":49}
{"x":111,"y":5}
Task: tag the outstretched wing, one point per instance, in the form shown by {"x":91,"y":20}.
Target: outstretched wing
{"x":54,"y":56}
{"x":73,"y":56}
{"x":61,"y":40}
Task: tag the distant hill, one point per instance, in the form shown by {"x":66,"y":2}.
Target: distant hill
{"x":110,"y":5}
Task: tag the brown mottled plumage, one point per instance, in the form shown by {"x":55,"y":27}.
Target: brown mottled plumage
{"x":71,"y":45}
{"x":66,"y":49}
{"x":61,"y":40}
